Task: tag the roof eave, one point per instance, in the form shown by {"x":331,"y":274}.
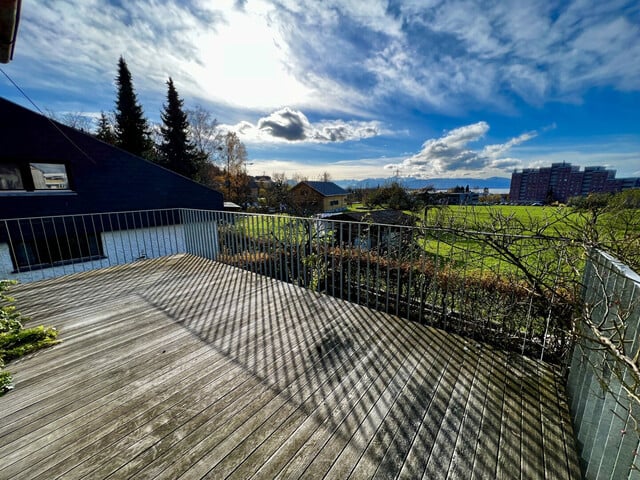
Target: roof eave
{"x":9,"y":19}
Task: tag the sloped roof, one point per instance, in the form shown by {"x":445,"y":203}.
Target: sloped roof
{"x":9,"y":19}
{"x":385,"y":217}
{"x":326,"y":189}
{"x":103,"y":178}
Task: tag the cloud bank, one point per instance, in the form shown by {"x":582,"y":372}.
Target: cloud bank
{"x":451,"y":153}
{"x":289,"y":125}
{"x":341,"y":56}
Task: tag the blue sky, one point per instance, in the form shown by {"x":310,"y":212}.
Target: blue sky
{"x":358,"y":89}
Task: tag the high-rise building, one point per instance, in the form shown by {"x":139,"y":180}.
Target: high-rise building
{"x":562,"y":181}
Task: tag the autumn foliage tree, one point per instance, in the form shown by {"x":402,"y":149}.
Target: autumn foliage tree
{"x":233,"y":157}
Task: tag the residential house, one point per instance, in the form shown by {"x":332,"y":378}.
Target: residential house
{"x":377,"y":229}
{"x":318,"y":197}
{"x":49,"y":169}
{"x":263,"y":181}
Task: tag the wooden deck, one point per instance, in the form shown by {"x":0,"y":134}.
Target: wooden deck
{"x":185,"y":368}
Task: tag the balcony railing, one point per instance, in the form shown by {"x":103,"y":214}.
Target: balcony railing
{"x":517,"y":292}
{"x":604,"y":379}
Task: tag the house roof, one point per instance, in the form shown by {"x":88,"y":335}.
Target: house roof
{"x":385,"y":217}
{"x":326,"y":189}
{"x":103,"y":178}
{"x":9,"y":18}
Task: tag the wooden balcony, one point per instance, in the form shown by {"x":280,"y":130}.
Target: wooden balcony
{"x":181,"y":367}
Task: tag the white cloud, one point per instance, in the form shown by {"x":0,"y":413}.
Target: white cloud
{"x":359,"y":169}
{"x":216,"y":52}
{"x":451,"y":153}
{"x":345,"y":56}
{"x":288,"y":125}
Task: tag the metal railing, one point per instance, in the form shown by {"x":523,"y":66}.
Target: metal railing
{"x":515,"y":291}
{"x":604,"y":381}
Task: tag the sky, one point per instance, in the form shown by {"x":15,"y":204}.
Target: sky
{"x":357,"y":89}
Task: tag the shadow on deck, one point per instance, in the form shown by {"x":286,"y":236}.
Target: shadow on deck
{"x":181,"y":366}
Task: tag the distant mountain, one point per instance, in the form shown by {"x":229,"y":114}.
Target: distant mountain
{"x":491,"y":183}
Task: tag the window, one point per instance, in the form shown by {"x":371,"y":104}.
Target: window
{"x":10,"y":177}
{"x":33,"y":176}
{"x":334,"y":202}
{"x":54,"y":250}
{"x":49,"y":176}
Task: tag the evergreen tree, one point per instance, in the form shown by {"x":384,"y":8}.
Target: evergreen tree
{"x":105,"y":131}
{"x":177,"y":152}
{"x":131,"y":129}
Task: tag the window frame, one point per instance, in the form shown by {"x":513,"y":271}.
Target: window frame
{"x":28,"y":181}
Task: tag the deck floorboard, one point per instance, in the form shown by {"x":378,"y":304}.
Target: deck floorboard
{"x":181,"y":367}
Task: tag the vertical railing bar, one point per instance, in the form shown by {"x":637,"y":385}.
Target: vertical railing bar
{"x":302,"y":255}
{"x":228,"y":237}
{"x":46,"y":241}
{"x":398,"y":284}
{"x":266,"y":245}
{"x":167,"y":231}
{"x":252,"y":244}
{"x":422,"y":269}
{"x":11,"y":245}
{"x":21,"y":242}
{"x":358,"y":282}
{"x":84,"y":227}
{"x":142,"y":235}
{"x":57,"y":237}
{"x":120,"y":235}
{"x":334,"y":251}
{"x":528,"y":329}
{"x":24,"y":246}
{"x":255,"y":241}
{"x":290,"y":232}
{"x":548,"y":320}
{"x":212,"y":233}
{"x":377,"y":284}
{"x":282,"y":259}
{"x":237,"y":254}
{"x":129,"y":233}
{"x":410,"y":265}
{"x":151,"y":228}
{"x":75,"y":230}
{"x":98,"y":240}
{"x":387,"y":288}
{"x":351,"y":257}
{"x":102,"y":240}
{"x":37,"y":250}
{"x":368,"y":270}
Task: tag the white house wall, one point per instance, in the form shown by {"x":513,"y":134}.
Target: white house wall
{"x":118,"y":247}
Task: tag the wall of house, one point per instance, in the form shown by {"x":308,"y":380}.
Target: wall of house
{"x":329,"y":204}
{"x":122,"y":246}
{"x":307,"y":199}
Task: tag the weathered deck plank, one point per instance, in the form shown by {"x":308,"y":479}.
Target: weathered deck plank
{"x":183,"y":367}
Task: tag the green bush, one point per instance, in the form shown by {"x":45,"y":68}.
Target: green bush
{"x":9,"y":317}
{"x":16,"y":344}
{"x":5,"y":381}
{"x":16,"y":341}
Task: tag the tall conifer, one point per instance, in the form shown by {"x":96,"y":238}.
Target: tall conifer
{"x":104,"y":130}
{"x":131,"y":128}
{"x":177,"y":152}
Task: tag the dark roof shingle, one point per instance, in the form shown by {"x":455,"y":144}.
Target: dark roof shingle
{"x":328,"y":189}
